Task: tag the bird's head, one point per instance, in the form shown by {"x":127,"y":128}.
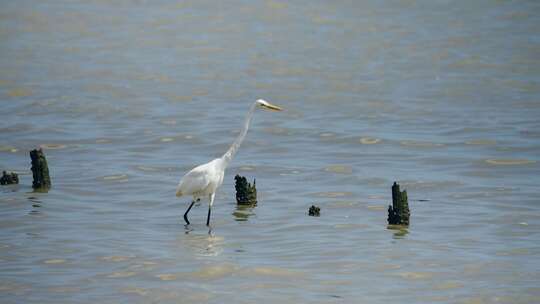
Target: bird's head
{"x":268,"y":106}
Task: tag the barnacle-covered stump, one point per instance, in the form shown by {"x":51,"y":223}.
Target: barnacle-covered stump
{"x":398,"y":212}
{"x":9,"y":178}
{"x":40,"y":170}
{"x":246,"y":194}
{"x":314,"y":211}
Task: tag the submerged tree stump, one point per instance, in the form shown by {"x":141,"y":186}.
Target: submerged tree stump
{"x":314,"y":211}
{"x":40,"y":170}
{"x":9,"y":178}
{"x":246,"y":194}
{"x":398,"y":212}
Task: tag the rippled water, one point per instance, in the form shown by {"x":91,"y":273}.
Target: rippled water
{"x":124,"y":97}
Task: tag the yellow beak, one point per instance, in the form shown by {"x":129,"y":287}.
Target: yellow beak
{"x":272,"y":107}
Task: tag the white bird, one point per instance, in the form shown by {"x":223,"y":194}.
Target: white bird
{"x":203,"y":181}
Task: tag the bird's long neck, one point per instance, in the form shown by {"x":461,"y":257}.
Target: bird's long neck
{"x":228,"y":156}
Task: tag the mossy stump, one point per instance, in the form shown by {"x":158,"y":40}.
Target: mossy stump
{"x":246,"y":194}
{"x":9,"y":178}
{"x":40,"y":170}
{"x":398,"y":212}
{"x":314,"y":211}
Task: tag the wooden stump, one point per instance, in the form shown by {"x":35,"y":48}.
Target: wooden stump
{"x":9,"y":178}
{"x":40,"y":170}
{"x":398,"y":212}
{"x":314,"y":211}
{"x":246,"y":194}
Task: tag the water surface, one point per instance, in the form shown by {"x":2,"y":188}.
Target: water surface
{"x":124,"y":97}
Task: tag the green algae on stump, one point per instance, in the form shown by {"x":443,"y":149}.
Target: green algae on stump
{"x":9,"y":178}
{"x":398,"y":212}
{"x":40,"y":170}
{"x":246,"y":194}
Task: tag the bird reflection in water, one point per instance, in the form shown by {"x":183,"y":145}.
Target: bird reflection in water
{"x":202,"y":244}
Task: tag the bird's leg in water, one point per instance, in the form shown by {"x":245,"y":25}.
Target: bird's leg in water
{"x":210,"y":208}
{"x":187,"y":211}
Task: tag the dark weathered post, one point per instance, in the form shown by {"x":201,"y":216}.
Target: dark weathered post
{"x":246,"y":194}
{"x":40,"y":170}
{"x":9,"y":178}
{"x":398,"y":212}
{"x":314,"y":211}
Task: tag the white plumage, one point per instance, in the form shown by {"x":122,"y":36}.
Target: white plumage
{"x":203,"y":181}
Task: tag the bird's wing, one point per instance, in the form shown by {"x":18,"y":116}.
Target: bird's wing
{"x":193,"y":182}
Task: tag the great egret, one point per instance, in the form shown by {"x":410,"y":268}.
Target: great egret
{"x":204,"y":180}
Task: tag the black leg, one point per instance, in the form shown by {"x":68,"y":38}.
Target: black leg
{"x":208,"y":218}
{"x":187,"y":211}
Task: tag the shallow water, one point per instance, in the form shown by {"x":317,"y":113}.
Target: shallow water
{"x":125,"y":97}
